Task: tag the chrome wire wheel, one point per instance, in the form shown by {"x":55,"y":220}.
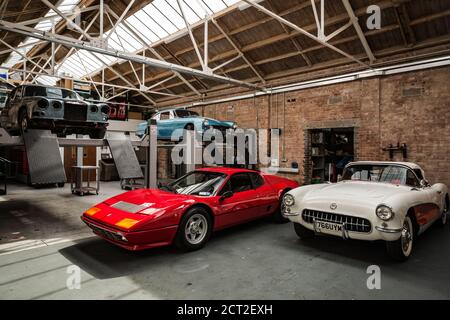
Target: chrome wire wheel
{"x":196,"y":229}
{"x":407,"y":236}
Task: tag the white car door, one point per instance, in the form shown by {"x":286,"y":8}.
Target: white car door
{"x":427,"y":201}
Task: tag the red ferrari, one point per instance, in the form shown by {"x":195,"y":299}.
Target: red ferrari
{"x":189,"y":209}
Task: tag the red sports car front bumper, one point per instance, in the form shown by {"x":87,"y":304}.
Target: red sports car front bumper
{"x":135,"y":240}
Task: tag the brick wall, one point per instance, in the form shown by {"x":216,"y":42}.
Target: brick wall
{"x":411,"y":108}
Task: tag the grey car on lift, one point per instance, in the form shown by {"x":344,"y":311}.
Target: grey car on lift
{"x":60,"y":110}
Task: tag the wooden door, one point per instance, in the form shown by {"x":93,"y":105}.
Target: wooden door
{"x":70,"y":160}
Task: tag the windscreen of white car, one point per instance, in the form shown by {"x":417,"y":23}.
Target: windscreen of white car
{"x":198,"y":183}
{"x":377,"y":173}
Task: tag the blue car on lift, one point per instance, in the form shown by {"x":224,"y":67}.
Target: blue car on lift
{"x":169,"y":120}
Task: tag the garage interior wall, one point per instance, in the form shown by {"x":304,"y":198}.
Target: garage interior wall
{"x":410,"y":108}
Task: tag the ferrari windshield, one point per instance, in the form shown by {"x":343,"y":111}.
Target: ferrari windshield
{"x":377,"y":173}
{"x":200,"y":183}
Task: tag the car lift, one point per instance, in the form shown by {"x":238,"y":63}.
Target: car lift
{"x":46,"y":165}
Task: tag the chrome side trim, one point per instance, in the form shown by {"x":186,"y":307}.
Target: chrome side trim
{"x":388,"y":230}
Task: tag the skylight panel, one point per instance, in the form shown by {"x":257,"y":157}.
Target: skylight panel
{"x":230,"y":2}
{"x":45,"y":80}
{"x":75,"y":65}
{"x":88,"y":61}
{"x":150,"y":23}
{"x":160,"y":19}
{"x":171,"y":14}
{"x":191,"y":16}
{"x":128,"y":39}
{"x":142,"y":30}
{"x":214,"y":5}
{"x":197,"y":6}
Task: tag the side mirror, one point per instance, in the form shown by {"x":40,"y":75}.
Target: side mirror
{"x":226,"y":195}
{"x":424,"y":183}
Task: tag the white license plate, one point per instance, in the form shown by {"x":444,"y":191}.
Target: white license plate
{"x":328,"y":228}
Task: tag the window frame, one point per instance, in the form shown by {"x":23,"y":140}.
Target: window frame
{"x":229,"y":181}
{"x":165,"y":112}
{"x":416,"y":178}
{"x":258,"y":175}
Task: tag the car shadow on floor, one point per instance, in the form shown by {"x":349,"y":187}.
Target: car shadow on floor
{"x":105,"y":260}
{"x":425,"y":268}
{"x":427,"y":247}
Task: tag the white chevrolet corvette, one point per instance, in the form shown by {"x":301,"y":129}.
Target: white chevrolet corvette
{"x":390,"y":201}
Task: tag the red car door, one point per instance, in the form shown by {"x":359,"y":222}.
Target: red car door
{"x":242,"y":205}
{"x":266,"y":194}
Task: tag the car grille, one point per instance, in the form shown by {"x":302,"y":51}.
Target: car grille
{"x":75,"y":112}
{"x":354,"y":224}
{"x":105,"y":233}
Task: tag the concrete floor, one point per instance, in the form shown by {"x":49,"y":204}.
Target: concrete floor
{"x":42,"y":236}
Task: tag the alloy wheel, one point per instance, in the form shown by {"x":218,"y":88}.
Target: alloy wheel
{"x":196,"y":229}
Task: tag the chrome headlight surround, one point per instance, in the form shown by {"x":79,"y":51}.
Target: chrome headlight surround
{"x":205,"y":123}
{"x":288,"y":200}
{"x":384,"y":212}
{"x":234,"y":126}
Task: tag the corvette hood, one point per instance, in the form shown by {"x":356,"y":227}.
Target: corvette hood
{"x":354,"y":191}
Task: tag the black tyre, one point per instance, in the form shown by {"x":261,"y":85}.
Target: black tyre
{"x":97,"y":133}
{"x":278,"y":216}
{"x":189,"y":127}
{"x":61,"y":185}
{"x":302,"y":232}
{"x":24,"y":121}
{"x":194,"y":230}
{"x":443,"y":220}
{"x":402,"y":248}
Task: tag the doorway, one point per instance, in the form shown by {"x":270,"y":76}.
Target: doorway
{"x":330,"y":150}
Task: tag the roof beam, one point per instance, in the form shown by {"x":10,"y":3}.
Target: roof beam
{"x":305,"y":51}
{"x":49,"y":18}
{"x":358,"y":29}
{"x":238,"y":50}
{"x":294,"y":41}
{"x":119,"y":20}
{"x":124,"y":79}
{"x":68,"y":21}
{"x":152,"y":50}
{"x":70,"y":42}
{"x":304,"y":32}
{"x":292,"y":35}
{"x":191,"y":35}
